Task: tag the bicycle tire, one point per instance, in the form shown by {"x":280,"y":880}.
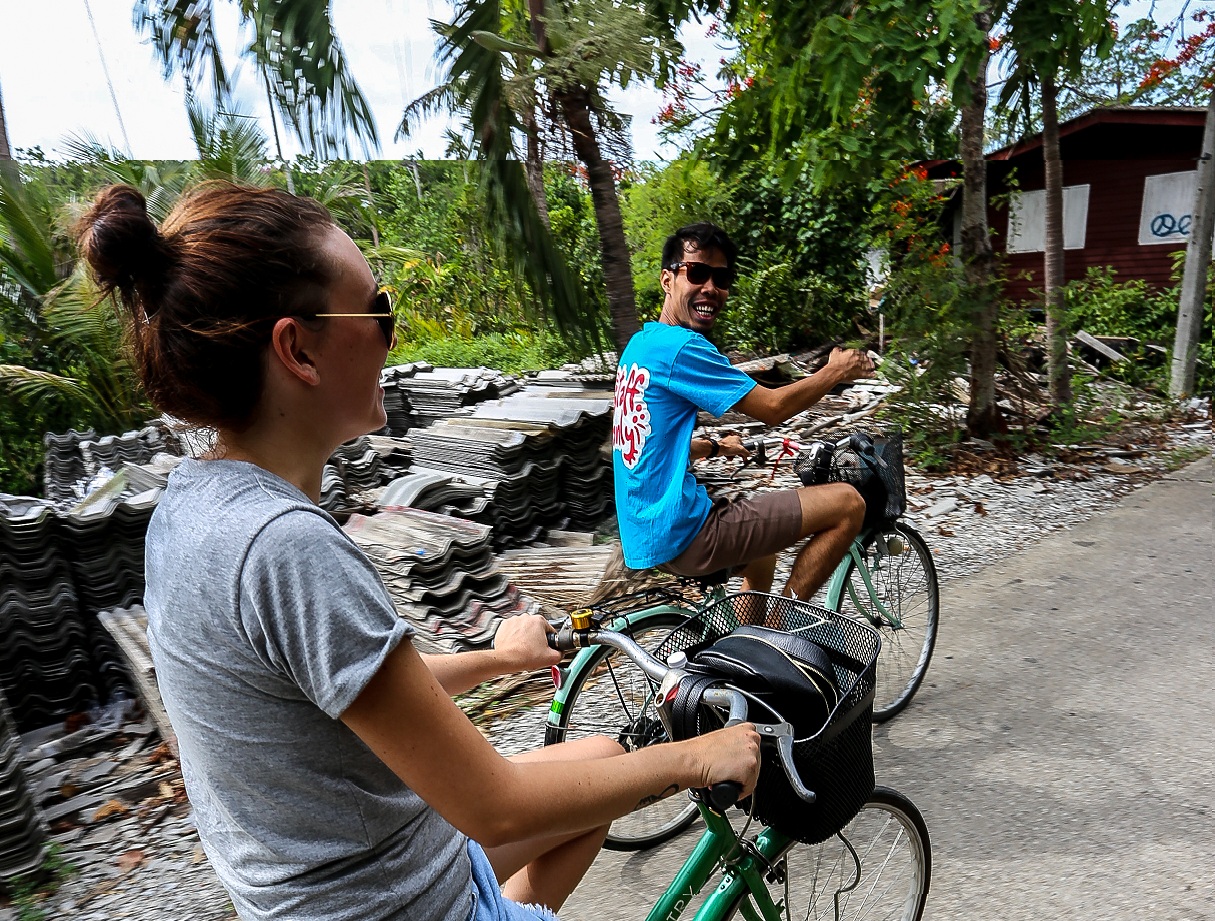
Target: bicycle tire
{"x":909,"y":587}
{"x":618,"y":702}
{"x":891,"y":842}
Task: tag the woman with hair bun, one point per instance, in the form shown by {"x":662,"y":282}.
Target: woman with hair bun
{"x":331,"y":774}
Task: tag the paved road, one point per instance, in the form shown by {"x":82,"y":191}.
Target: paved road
{"x":1061,"y":750}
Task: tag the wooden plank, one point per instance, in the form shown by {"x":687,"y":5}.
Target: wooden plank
{"x":129,"y":628}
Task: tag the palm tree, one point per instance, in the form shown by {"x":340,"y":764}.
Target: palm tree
{"x":1046,"y":41}
{"x":94,"y":381}
{"x":7,"y":165}
{"x":571,"y":52}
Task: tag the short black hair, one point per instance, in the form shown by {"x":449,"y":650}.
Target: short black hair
{"x":704,"y":236}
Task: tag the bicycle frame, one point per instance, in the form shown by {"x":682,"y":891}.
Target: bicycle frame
{"x":838,"y":583}
{"x":744,"y":875}
{"x":836,"y":587}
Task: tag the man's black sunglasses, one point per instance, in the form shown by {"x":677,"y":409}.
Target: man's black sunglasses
{"x":700,"y":272}
{"x":383,"y":316}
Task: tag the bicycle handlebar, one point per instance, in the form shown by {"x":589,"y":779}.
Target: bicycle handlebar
{"x":668,"y":677}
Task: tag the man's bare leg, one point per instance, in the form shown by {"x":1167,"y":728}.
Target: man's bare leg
{"x":758,"y":574}
{"x":833,"y":514}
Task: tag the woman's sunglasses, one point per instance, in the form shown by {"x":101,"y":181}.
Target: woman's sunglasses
{"x":383,"y":316}
{"x":700,"y":272}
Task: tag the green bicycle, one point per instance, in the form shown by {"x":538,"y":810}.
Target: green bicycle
{"x":887,"y":580}
{"x":847,"y":847}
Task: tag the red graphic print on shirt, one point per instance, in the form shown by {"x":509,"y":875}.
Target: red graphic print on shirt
{"x":630,"y":415}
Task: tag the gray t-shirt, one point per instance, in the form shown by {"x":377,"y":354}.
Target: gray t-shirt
{"x":265,"y":622}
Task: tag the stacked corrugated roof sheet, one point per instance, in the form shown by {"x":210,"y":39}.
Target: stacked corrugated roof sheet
{"x":441,"y":574}
{"x":359,"y":466}
{"x":75,"y":458}
{"x":22,"y":836}
{"x":534,"y":455}
{"x":46,"y":669}
{"x":416,"y":394}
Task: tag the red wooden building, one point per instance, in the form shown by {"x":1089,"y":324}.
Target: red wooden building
{"x":1129,"y":179}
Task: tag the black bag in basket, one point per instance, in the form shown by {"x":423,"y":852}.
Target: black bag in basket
{"x":787,"y":673}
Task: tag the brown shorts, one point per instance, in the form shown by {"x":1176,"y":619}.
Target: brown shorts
{"x":735,"y":533}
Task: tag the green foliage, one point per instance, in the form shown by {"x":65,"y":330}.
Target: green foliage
{"x":929,"y":313}
{"x":1102,"y":305}
{"x":837,"y":88}
{"x":512,"y":353}
{"x":31,"y":890}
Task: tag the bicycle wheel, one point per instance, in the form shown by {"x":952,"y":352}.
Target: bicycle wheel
{"x":906,"y":585}
{"x":611,"y":696}
{"x":879,"y":867}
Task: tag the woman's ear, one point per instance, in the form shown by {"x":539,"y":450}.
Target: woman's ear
{"x":291,"y":347}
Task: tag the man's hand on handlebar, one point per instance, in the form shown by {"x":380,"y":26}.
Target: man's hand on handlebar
{"x":521,"y":644}
{"x":850,"y":364}
{"x":732,"y":446}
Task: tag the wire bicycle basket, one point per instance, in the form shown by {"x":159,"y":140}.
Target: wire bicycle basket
{"x":837,"y":761}
{"x":873,"y":464}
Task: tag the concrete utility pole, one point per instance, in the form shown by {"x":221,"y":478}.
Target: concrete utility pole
{"x":1197,"y":258}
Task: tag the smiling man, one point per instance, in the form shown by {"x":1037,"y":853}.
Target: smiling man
{"x":668,"y":372}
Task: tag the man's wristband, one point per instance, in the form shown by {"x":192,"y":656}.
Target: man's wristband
{"x":714,"y":447}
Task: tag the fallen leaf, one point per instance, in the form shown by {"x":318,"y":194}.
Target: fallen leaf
{"x":165,"y":790}
{"x":979,"y":509}
{"x":130,"y":860}
{"x":944,"y":531}
{"x":198,"y":855}
{"x":108,"y":810}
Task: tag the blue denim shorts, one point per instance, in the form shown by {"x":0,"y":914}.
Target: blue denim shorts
{"x":488,"y":902}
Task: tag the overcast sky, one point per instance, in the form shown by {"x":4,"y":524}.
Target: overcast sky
{"x":54,"y":86}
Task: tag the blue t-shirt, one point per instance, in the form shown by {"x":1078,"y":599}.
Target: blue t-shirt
{"x":665,"y":375}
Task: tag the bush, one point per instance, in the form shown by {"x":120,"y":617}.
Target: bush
{"x":511,"y":353}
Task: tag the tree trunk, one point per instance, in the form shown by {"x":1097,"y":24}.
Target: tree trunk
{"x":982,"y":415}
{"x":1197,"y":262}
{"x":614,"y":250}
{"x":1052,"y":281}
{"x":533,"y":166}
{"x":8,"y":166}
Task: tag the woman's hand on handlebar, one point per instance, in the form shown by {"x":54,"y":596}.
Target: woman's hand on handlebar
{"x":730,"y":754}
{"x":521,"y":644}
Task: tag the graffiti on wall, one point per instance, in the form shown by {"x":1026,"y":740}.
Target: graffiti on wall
{"x":1168,"y":205}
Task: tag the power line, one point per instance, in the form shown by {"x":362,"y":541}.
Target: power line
{"x":109,"y":82}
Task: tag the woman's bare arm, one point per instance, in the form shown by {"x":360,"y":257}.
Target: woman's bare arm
{"x":520,"y":645}
{"x":407,"y":718}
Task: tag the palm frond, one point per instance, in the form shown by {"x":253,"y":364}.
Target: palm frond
{"x":27,"y":237}
{"x":230,"y":145}
{"x":475,"y":72}
{"x":299,"y":54}
{"x":39,"y":388}
{"x":182,"y":33}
